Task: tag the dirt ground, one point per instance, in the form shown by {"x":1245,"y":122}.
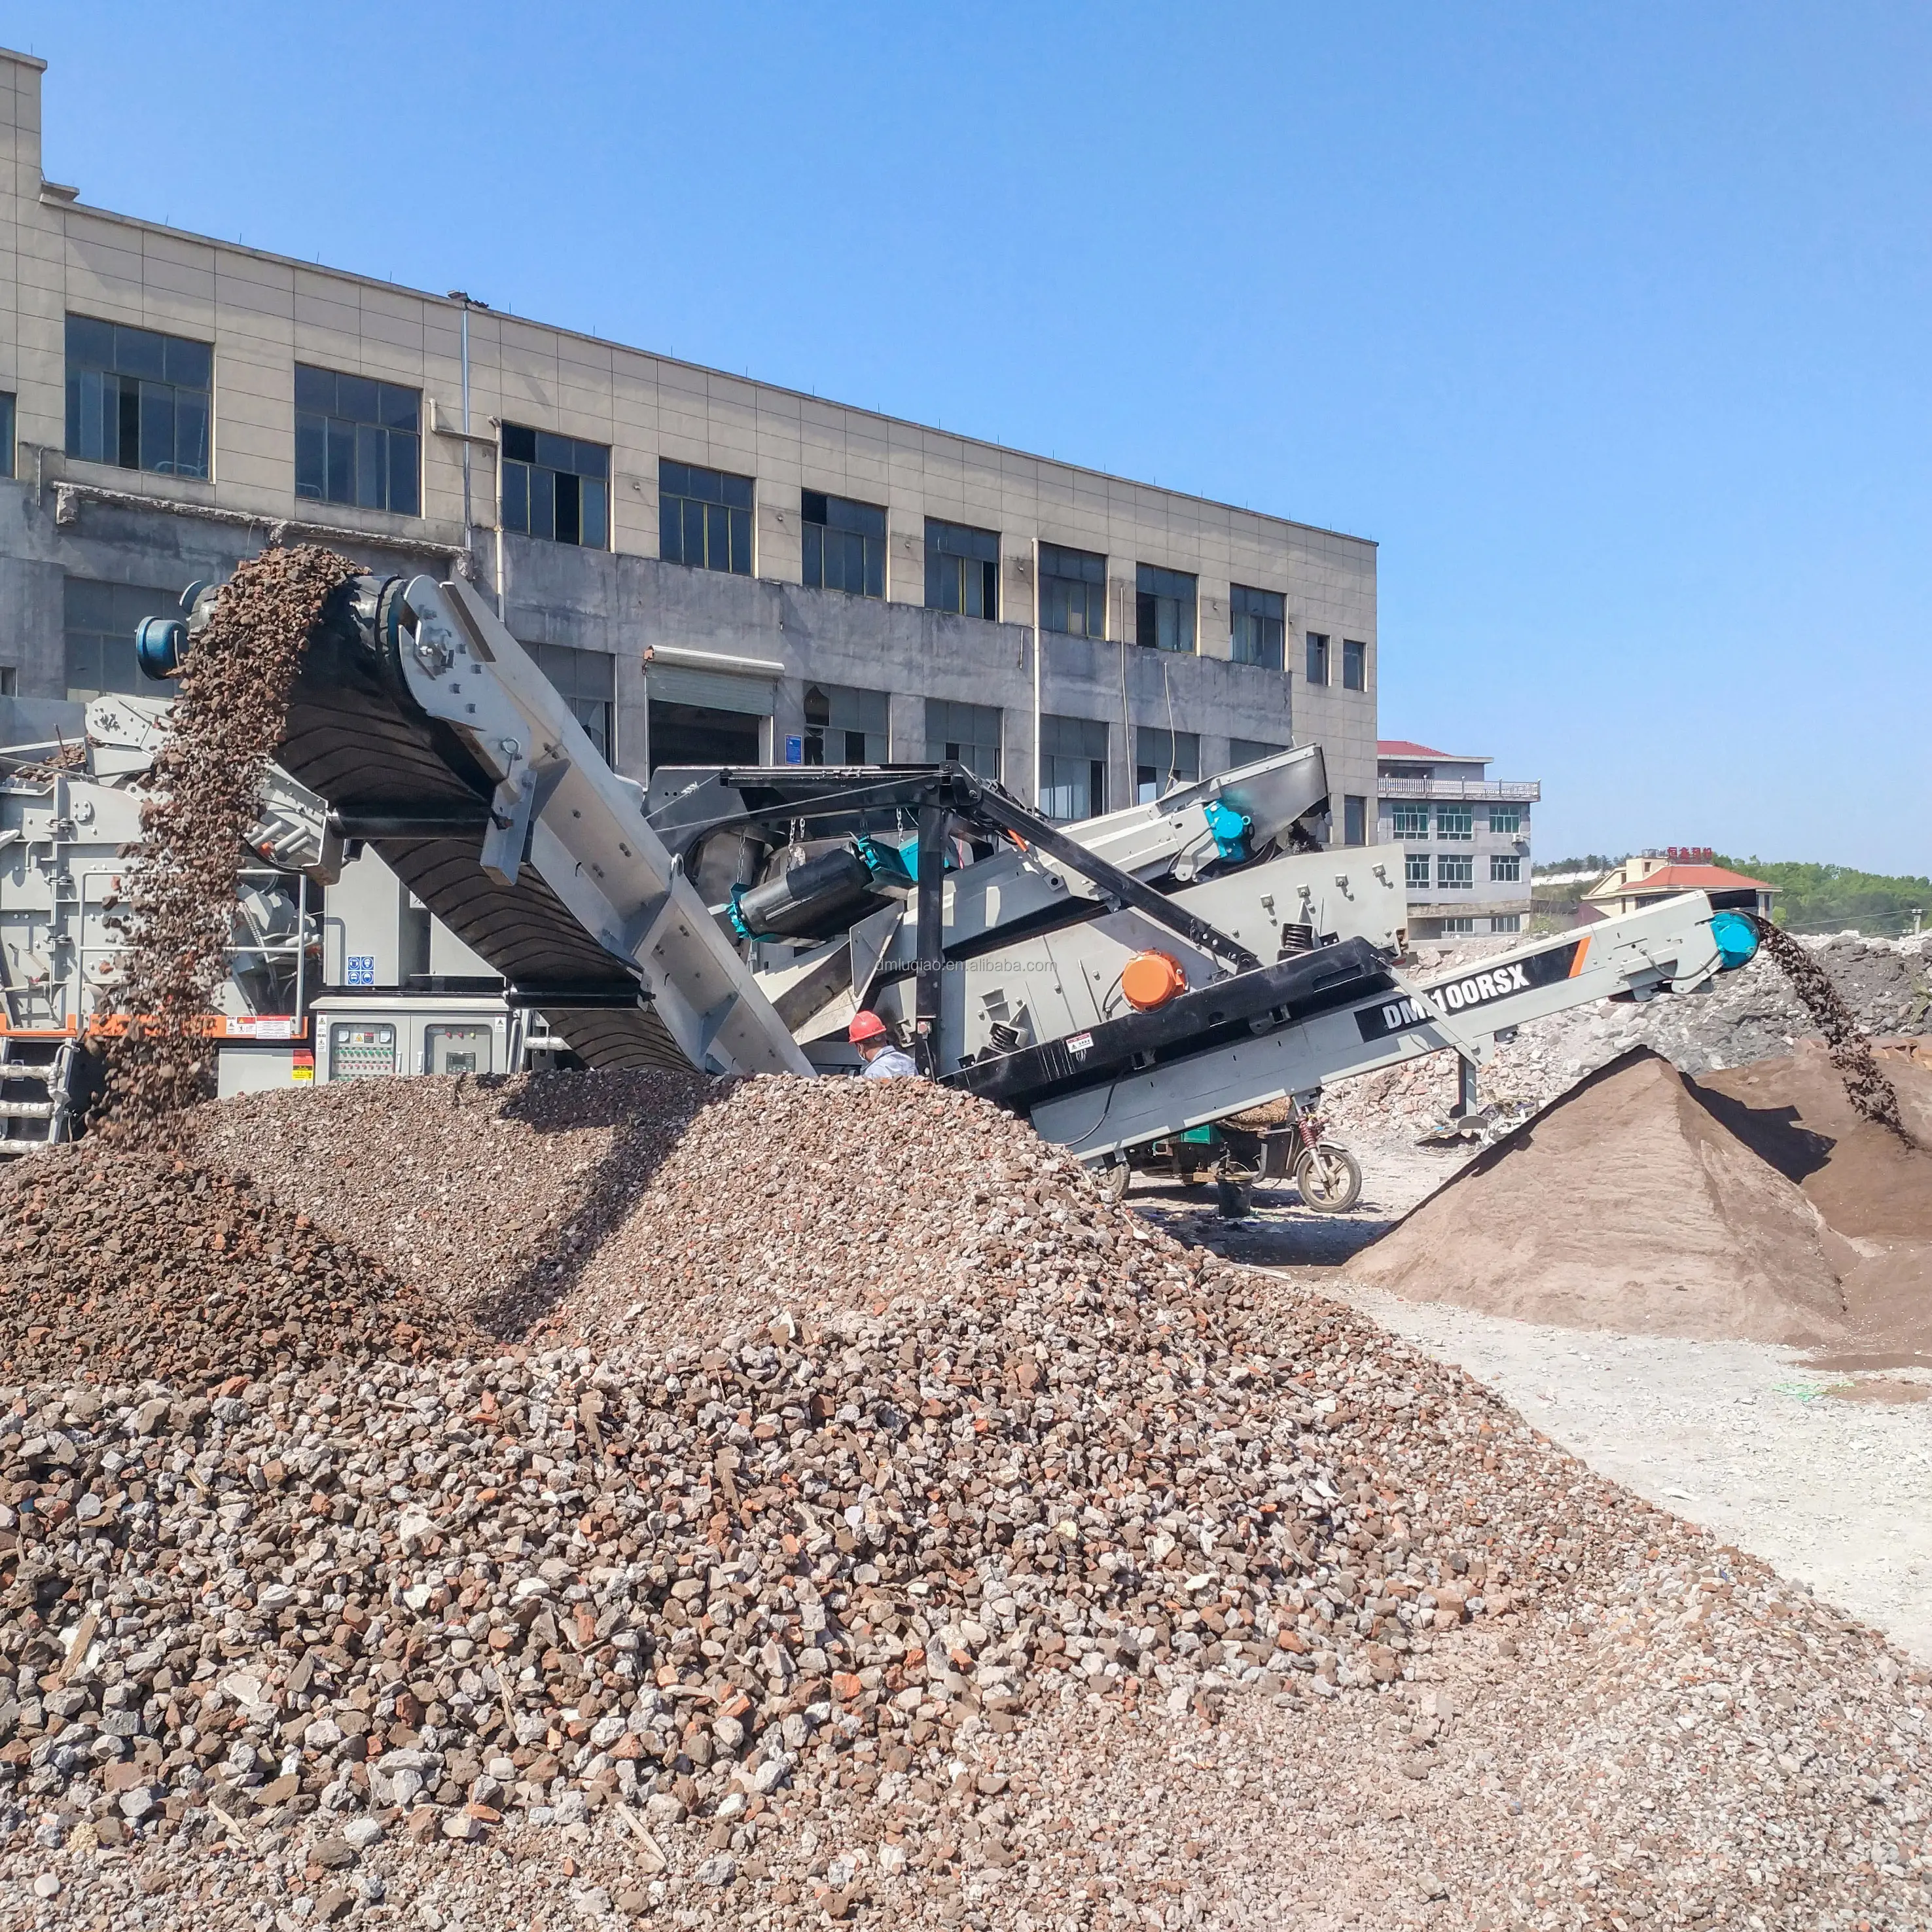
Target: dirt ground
{"x":1826,"y":1474}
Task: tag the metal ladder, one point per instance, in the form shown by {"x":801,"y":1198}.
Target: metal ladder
{"x":36,"y":1093}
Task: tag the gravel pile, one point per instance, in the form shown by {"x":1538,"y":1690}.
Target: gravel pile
{"x":229,"y":709}
{"x":647,"y":1206}
{"x":122,"y":1265}
{"x":895,"y":1610}
{"x":501,"y":1192}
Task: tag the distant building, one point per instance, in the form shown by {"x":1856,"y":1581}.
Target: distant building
{"x":1643,"y":879}
{"x":1466,"y":837}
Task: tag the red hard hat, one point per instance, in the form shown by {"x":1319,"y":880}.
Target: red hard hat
{"x":866,"y":1025}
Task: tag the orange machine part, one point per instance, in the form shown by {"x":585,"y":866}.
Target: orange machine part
{"x":1150,"y":979}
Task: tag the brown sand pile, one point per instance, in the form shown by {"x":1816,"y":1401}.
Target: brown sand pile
{"x":1871,"y":1184}
{"x":1623,"y":1205}
{"x":229,"y":709}
{"x":1865,"y":1179}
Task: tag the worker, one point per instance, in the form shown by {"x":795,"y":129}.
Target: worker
{"x":884,"y":1059}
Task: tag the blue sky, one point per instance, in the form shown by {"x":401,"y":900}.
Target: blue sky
{"x":1609,"y":323}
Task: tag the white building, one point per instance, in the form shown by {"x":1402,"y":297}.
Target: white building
{"x":713,"y":569}
{"x":1466,"y":835}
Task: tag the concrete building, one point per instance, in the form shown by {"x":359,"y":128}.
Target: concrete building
{"x":1645,"y":878}
{"x":711,"y":568}
{"x":1467,"y":836}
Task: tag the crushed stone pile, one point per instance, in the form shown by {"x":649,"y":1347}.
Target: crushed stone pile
{"x":122,"y":1264}
{"x":229,"y":708}
{"x":870,"y":1612}
{"x":1749,"y":1014}
{"x":500,"y":1192}
{"x":1624,"y":1205}
{"x":653,"y":1206}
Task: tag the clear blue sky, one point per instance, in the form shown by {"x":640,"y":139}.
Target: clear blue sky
{"x":1609,"y":322}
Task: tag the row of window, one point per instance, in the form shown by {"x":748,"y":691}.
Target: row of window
{"x":140,"y":399}
{"x":1453,"y":821}
{"x":1456,"y":872}
{"x":1463,"y":928}
{"x":843,"y":725}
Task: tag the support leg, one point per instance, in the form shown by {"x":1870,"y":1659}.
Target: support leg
{"x":930,"y":965}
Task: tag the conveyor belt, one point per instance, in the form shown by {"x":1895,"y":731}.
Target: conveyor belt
{"x":356,"y":737}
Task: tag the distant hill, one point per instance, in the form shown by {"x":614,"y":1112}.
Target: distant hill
{"x":1828,"y":898}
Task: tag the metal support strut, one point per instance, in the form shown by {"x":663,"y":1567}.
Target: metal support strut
{"x":930,"y":953}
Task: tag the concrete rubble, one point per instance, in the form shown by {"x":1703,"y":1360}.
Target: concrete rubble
{"x":873,"y":1611}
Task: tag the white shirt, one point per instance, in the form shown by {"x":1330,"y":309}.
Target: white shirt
{"x":894,"y":1063}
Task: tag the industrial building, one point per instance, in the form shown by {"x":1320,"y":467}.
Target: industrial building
{"x":709,"y":567}
{"x":1465,"y":836}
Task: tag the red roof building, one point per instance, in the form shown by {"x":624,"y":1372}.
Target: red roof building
{"x":1651,"y":876}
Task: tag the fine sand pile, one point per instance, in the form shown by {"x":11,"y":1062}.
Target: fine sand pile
{"x":1623,"y":1205}
{"x":1873,"y":1185}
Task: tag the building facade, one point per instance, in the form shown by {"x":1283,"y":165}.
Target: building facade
{"x":711,"y":568}
{"x":1465,"y":835}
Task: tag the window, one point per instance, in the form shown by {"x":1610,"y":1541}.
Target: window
{"x":1507,"y":922}
{"x":1455,"y":821}
{"x":1354,"y":665}
{"x":963,"y":734}
{"x":1505,"y":866}
{"x":1354,"y":821}
{"x":99,"y":621}
{"x":844,"y":726}
{"x":1456,"y":872}
{"x":1506,"y":820}
{"x":1259,"y":619}
{"x":136,"y":399}
{"x":358,"y":441}
{"x":844,"y":545}
{"x":1164,"y":609}
{"x":6,"y":435}
{"x":1415,"y":871}
{"x":1073,"y":767}
{"x":587,"y":682}
{"x":702,"y":734}
{"x":962,"y":569}
{"x":10,"y":680}
{"x":1455,"y":928}
{"x":1252,"y":751}
{"x":1163,"y":760}
{"x":555,"y":488}
{"x":1073,"y":591}
{"x":1409,"y":821}
{"x":1318,"y":657}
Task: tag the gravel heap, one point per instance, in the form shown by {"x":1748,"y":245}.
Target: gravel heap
{"x":894,"y":1606}
{"x":502,"y":1191}
{"x":229,"y":706}
{"x":122,"y":1265}
{"x":653,"y":1205}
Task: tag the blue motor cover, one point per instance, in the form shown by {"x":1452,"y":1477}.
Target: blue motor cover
{"x":1230,"y":829}
{"x":159,"y":642}
{"x":1736,"y":936}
